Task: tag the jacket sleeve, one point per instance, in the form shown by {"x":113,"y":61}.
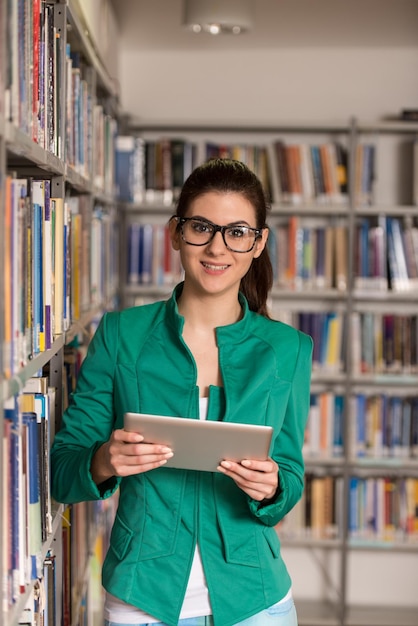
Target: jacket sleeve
{"x":88,"y":421}
{"x":288,"y":444}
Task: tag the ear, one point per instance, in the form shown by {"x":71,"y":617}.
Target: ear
{"x":175,"y":234}
{"x":261,"y":243}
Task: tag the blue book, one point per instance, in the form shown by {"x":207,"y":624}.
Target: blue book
{"x":33,"y":502}
{"x":396,"y":426}
{"x":406,"y":428}
{"x":124,"y":164}
{"x":147,"y":254}
{"x":16,"y":520}
{"x":353,"y":515}
{"x":338,"y":443}
{"x":360,"y":439}
{"x":272,"y":248}
{"x":133,"y":253}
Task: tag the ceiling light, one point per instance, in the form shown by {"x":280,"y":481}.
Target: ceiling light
{"x":218,"y":16}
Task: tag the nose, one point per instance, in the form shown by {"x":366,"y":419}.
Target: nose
{"x":217,"y":243}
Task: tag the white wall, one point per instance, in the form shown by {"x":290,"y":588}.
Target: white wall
{"x":305,"y":60}
{"x":99,"y":17}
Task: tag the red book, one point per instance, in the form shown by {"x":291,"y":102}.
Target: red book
{"x":35,"y":77}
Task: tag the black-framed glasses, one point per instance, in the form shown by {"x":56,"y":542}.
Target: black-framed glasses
{"x":199,"y":232}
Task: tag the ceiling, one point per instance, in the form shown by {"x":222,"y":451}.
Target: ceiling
{"x":157,"y":25}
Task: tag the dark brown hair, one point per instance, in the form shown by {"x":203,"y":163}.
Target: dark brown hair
{"x":228,"y":175}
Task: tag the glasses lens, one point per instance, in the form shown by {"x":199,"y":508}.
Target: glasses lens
{"x":197,"y":232}
{"x":239,"y":238}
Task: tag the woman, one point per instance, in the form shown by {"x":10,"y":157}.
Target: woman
{"x":190,"y":547}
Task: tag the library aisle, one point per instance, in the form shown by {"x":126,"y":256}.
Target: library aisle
{"x":86,"y":191}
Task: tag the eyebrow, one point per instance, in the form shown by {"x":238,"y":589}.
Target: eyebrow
{"x":237,"y":223}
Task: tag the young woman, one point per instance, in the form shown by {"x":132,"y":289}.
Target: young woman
{"x":190,"y":547}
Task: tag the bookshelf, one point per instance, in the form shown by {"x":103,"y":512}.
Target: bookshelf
{"x":59,"y":251}
{"x":373,"y":186}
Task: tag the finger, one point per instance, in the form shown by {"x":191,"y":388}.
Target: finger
{"x":143,"y":454}
{"x":127,"y":436}
{"x":257,"y":471}
{"x":130,"y":470}
{"x":268,"y":467}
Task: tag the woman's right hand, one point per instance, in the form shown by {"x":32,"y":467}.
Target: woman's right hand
{"x":125,"y":454}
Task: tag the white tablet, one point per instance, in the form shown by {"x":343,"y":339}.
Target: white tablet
{"x":202,"y":444}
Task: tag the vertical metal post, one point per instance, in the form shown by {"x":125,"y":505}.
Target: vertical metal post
{"x":348,"y":378}
{"x":2,"y":265}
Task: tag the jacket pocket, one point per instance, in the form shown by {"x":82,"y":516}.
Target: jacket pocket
{"x":120,"y":538}
{"x":245,"y":540}
{"x":149,"y":515}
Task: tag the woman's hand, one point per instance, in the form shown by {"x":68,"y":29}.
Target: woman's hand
{"x":258,"y":479}
{"x":125,"y":454}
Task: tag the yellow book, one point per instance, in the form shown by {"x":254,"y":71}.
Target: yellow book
{"x":333,"y":353}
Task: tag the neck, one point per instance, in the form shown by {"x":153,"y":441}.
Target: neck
{"x":209,"y":311}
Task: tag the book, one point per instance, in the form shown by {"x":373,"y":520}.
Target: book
{"x":398,"y":273}
{"x":59,"y":267}
{"x":17,"y":521}
{"x":341,"y":258}
{"x":33,"y":498}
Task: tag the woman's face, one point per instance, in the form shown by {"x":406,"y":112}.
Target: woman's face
{"x":213,"y":268}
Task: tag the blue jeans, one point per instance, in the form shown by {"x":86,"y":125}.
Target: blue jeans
{"x":283,"y":614}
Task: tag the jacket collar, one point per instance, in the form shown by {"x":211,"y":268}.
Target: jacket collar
{"x":225,"y":334}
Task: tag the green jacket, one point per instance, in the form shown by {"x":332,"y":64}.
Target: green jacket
{"x":137,"y":361}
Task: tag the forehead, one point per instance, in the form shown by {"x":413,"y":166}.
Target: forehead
{"x":222,"y":208}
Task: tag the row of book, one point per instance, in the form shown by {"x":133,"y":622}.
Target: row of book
{"x":306,"y":255}
{"x":384,"y":343}
{"x":152,"y":171}
{"x":383,"y":509}
{"x":383,"y":426}
{"x":328,"y":330}
{"x":309,"y":173}
{"x":30,"y":423}
{"x":33,"y":59}
{"x":386,"y":254}
{"x":89,"y":129}
{"x":381,"y":343}
{"x":39,"y":69}
{"x":61,"y":595}
{"x":318,"y":514}
{"x":324,"y":433}
{"x":151,"y":259}
{"x":291,"y":173}
{"x":28,"y":430}
{"x":59,"y":262}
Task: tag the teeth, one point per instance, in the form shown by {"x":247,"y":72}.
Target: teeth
{"x":215,"y":267}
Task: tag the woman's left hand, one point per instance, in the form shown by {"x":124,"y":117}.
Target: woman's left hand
{"x":258,"y":479}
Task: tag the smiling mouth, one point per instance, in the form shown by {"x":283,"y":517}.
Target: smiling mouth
{"x":209,"y":266}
